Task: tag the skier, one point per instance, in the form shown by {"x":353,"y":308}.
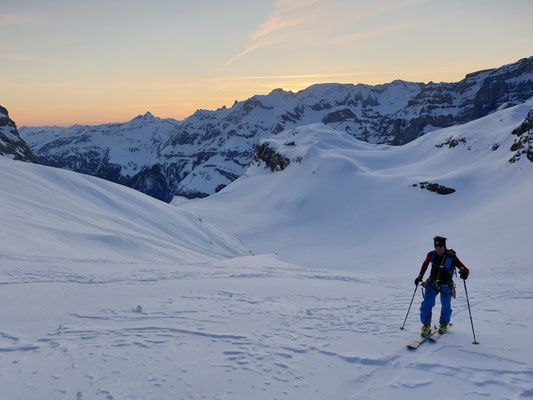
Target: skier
{"x":443,"y":264}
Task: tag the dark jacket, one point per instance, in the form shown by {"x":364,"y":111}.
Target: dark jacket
{"x":442,"y":267}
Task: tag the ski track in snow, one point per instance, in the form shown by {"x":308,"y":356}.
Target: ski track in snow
{"x":112,"y":331}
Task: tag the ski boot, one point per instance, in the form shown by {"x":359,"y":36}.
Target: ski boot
{"x":443,"y":329}
{"x":426,"y":330}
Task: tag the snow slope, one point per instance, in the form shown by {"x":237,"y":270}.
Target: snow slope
{"x":351,"y":205}
{"x":48,"y":212}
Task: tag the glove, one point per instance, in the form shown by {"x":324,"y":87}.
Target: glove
{"x":417,"y":280}
{"x":463,"y":274}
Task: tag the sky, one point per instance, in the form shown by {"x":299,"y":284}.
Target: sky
{"x":64,"y":62}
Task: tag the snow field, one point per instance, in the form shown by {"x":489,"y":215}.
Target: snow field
{"x":252,"y":327}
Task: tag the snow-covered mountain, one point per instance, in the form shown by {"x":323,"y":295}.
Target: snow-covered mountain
{"x":210,"y":149}
{"x":11,"y":144}
{"x":128,"y":153}
{"x":318,"y":196}
{"x":48,"y":214}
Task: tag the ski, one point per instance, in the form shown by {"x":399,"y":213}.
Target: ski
{"x":436,"y":336}
{"x":415,"y":343}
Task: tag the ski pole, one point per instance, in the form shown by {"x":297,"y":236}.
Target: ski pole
{"x":409,"y":309}
{"x":470,"y":312}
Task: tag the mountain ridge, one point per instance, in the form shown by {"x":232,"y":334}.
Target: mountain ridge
{"x":205,"y":152}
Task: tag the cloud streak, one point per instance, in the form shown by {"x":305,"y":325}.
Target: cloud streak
{"x":319,"y":23}
{"x":285,"y":14}
{"x":368,"y":34}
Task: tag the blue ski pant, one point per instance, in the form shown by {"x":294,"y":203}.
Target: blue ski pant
{"x":429,"y":302}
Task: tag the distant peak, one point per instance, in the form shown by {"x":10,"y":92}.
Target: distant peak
{"x":147,"y":116}
{"x":284,"y":92}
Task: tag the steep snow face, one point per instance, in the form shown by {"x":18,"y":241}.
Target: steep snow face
{"x":11,"y":144}
{"x":342,"y":200}
{"x":210,"y":149}
{"x":47,"y":212}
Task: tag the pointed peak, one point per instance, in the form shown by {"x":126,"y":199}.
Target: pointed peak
{"x":147,"y":116}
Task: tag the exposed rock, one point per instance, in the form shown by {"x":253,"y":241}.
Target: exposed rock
{"x":340,"y":116}
{"x":451,"y":142}
{"x":11,"y":144}
{"x":273,"y":160}
{"x":435,"y":187}
{"x":523,"y":144}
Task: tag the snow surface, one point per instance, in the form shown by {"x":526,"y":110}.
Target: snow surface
{"x":110,"y":294}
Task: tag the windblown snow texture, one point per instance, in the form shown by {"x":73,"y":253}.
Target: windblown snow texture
{"x":204,"y":153}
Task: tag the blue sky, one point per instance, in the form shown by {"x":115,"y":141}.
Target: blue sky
{"x":94,"y":61}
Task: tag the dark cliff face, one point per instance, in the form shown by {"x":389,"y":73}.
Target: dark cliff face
{"x":446,"y":104}
{"x":523,"y":144}
{"x":11,"y":144}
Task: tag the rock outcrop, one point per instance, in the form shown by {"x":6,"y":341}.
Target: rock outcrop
{"x":11,"y":144}
{"x":523,"y":144}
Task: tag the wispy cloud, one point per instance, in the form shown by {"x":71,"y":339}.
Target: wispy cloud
{"x":369,"y":34}
{"x":301,"y":23}
{"x":304,"y":76}
{"x":285,"y":14}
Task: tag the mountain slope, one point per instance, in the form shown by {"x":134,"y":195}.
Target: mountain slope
{"x":341,"y":200}
{"x":210,"y":149}
{"x":47,"y":212}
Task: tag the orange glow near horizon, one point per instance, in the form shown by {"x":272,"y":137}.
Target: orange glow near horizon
{"x":115,"y":102}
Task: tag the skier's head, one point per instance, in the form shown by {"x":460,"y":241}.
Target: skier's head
{"x":440,"y":244}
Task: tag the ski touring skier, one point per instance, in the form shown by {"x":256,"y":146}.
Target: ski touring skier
{"x":443,"y":268}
